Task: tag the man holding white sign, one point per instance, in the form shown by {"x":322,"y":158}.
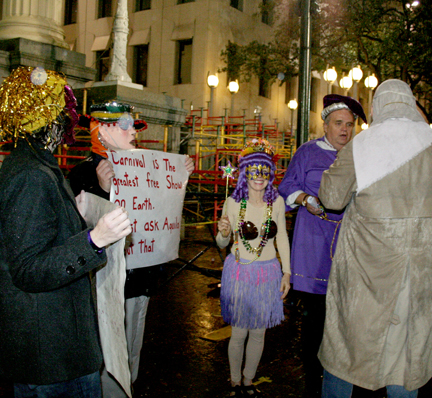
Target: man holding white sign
{"x":152,"y":185}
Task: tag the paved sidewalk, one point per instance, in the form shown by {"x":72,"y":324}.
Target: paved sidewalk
{"x":177,"y":361}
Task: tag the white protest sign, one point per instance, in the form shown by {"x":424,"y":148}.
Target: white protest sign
{"x":151,"y":186}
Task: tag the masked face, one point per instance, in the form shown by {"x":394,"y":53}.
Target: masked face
{"x":114,"y":137}
{"x":255,"y":171}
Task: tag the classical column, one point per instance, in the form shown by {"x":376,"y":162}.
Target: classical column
{"x":118,"y":69}
{"x":37,"y":20}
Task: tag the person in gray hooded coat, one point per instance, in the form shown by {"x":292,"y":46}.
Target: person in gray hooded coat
{"x":378,"y":326}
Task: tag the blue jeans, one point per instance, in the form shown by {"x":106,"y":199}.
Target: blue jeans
{"x":83,"y":387}
{"x":333,"y":387}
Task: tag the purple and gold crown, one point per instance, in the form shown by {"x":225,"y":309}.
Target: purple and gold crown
{"x":257,"y":145}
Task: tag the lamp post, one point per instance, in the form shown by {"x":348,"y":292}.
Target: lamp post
{"x":330,"y":76}
{"x":371,"y":82}
{"x":233,"y":88}
{"x":356,"y":74}
{"x":346,"y":83}
{"x":292,"y":105}
{"x":212,"y":82}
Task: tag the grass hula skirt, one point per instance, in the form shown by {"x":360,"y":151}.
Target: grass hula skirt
{"x":250,"y":296}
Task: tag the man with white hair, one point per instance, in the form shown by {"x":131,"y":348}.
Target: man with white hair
{"x":378,"y":324}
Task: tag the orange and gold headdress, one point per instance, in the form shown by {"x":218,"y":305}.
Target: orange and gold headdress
{"x":257,"y":145}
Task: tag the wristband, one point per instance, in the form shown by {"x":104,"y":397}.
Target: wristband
{"x":97,"y":249}
{"x":304,"y":201}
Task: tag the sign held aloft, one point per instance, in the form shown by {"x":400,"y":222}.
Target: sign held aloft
{"x":151,"y":186}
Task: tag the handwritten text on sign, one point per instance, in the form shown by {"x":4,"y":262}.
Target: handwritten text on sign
{"x":151,"y":186}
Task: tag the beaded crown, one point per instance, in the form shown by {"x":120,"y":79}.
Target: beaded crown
{"x":257,"y":145}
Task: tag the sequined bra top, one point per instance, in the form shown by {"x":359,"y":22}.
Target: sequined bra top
{"x":250,"y":232}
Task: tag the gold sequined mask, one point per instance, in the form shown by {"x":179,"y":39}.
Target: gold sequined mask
{"x":255,"y":171}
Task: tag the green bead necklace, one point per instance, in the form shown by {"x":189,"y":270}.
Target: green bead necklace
{"x":264,"y":232}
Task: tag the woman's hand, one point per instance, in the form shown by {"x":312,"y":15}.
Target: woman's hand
{"x":189,"y":164}
{"x":111,"y":227}
{"x":285,"y":285}
{"x":105,"y":174}
{"x":224,"y":226}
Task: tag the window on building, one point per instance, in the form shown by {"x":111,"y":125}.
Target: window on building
{"x":237,"y":4}
{"x":264,"y":88}
{"x":315,"y":85}
{"x":104,"y":8}
{"x":141,"y":5}
{"x":71,"y":12}
{"x":102,"y":64}
{"x":184,"y":62}
{"x":140,"y":64}
{"x":267,"y":12}
{"x":289,"y":90}
{"x":185,"y":1}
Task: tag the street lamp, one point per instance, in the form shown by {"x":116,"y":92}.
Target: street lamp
{"x":330,"y":76}
{"x":233,"y":88}
{"x":413,"y":4}
{"x":371,"y":82}
{"x":356,"y":74}
{"x":212,"y":82}
{"x":346,"y":83}
{"x":293,"y":106}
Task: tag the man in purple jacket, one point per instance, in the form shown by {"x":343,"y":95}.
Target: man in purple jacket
{"x":316,"y":229}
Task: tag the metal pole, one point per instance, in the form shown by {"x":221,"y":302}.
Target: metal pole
{"x":305,"y":74}
{"x":165,"y":141}
{"x":84,"y":110}
{"x":232,"y":104}
{"x":211,"y":101}
{"x":355,"y":90}
{"x":292,"y":121}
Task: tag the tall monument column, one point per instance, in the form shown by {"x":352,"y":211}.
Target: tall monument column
{"x":37,"y":20}
{"x":118,"y":68}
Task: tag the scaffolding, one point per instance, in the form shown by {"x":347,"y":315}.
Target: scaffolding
{"x":212,"y":141}
{"x":215,"y":140}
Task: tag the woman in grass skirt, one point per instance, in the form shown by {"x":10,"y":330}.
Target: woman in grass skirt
{"x":252,"y":280}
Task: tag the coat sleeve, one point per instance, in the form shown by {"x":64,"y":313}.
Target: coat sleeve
{"x":294,"y":179}
{"x":84,"y":177}
{"x":338,"y":183}
{"x":42,"y":234}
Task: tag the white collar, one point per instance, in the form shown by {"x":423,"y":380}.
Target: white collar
{"x":326,"y":145}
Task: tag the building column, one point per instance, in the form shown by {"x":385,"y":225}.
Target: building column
{"x":37,"y":20}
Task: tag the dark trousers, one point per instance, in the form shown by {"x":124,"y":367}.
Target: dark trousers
{"x":88,"y":386}
{"x":312,"y":307}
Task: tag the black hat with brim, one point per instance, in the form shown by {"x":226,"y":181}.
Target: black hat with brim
{"x":335,"y":102}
